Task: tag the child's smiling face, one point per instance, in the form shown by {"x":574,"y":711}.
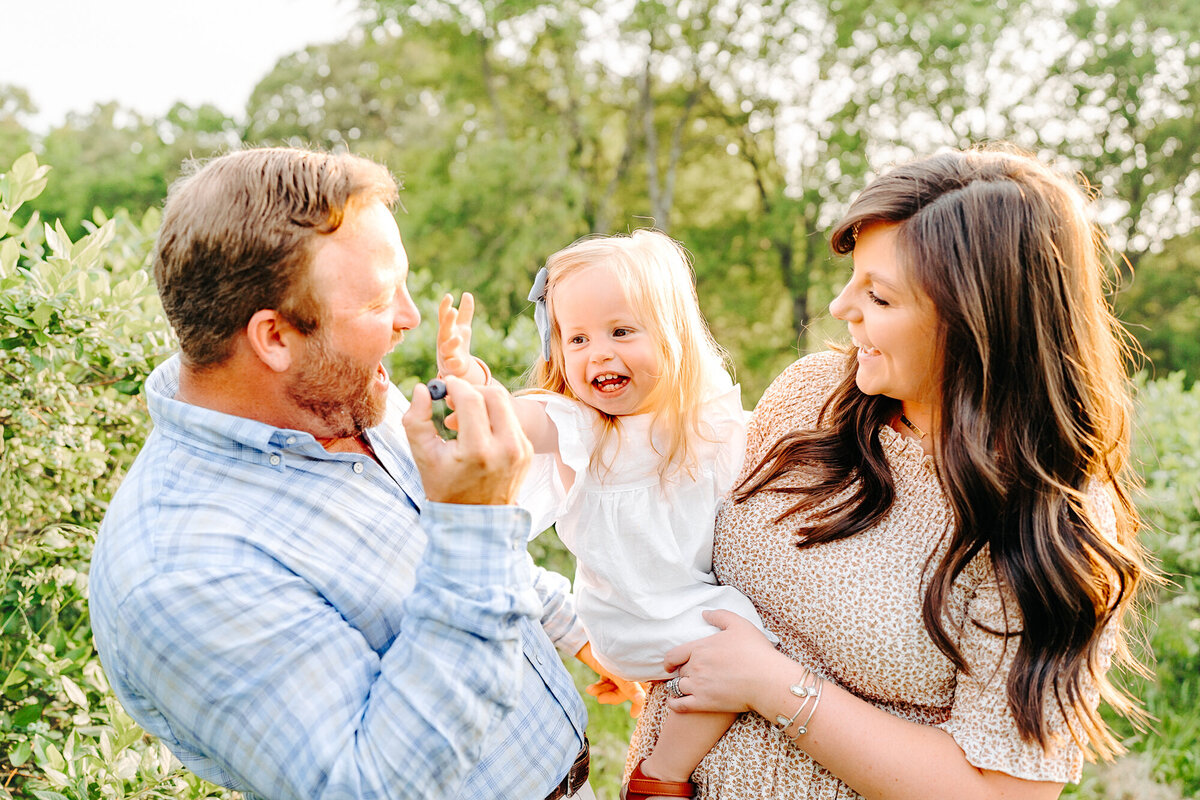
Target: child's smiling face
{"x":609,"y":355}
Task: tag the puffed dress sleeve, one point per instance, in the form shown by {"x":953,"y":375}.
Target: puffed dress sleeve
{"x":543,"y":493}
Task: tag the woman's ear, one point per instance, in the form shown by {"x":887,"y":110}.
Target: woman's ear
{"x":274,"y":340}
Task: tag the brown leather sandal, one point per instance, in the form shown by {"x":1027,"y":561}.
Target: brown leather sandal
{"x":640,"y":787}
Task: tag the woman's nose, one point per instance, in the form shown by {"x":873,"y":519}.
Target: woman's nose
{"x":840,"y":307}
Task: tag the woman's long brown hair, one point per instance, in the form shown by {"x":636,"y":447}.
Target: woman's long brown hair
{"x":1035,"y":407}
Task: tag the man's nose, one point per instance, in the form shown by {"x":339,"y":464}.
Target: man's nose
{"x":407,"y":315}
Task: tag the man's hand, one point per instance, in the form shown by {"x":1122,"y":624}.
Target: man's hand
{"x":454,"y":337}
{"x":486,"y":463}
{"x":611,"y":690}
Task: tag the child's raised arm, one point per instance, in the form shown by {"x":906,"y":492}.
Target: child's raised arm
{"x":454,"y":358}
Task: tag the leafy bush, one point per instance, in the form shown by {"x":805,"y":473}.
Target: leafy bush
{"x":80,"y":330}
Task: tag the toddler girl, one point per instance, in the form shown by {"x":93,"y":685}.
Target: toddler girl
{"x":644,"y":434}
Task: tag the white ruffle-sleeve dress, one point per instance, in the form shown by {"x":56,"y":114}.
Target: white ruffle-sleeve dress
{"x":642,"y":543}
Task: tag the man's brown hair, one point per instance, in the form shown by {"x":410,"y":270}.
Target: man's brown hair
{"x":238,"y":234}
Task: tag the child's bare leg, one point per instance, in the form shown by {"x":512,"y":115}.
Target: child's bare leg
{"x":684,"y":740}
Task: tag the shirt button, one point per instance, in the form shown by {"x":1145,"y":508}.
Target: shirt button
{"x":358,"y":467}
{"x":538,"y":658}
{"x":274,"y":461}
{"x":291,"y":440}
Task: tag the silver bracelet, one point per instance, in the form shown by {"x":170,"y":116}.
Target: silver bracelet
{"x":803,"y":729}
{"x":805,"y":693}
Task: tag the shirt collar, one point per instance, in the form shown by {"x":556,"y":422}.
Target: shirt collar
{"x":215,"y":430}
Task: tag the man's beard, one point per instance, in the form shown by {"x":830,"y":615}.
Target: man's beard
{"x":337,"y":390}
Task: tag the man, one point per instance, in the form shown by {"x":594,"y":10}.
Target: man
{"x":298,"y":598}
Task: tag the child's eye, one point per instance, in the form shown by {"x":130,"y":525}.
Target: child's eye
{"x":621,"y":331}
{"x":578,"y":339}
{"x":875,"y":299}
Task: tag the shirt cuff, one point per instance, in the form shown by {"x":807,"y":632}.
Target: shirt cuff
{"x":482,"y":545}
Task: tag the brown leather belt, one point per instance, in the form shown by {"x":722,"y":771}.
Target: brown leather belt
{"x":577,"y":775}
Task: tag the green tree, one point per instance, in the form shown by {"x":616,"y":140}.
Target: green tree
{"x":112,"y":157}
{"x":1160,"y":304}
{"x":743,"y":128}
{"x":15,"y":109}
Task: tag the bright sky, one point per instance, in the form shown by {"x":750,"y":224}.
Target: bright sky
{"x":147,"y":54}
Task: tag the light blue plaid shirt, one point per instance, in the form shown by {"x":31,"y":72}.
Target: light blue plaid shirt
{"x":295,"y":623}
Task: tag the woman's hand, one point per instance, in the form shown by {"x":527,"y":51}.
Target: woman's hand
{"x":730,"y":671}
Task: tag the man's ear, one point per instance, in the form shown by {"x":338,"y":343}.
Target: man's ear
{"x":274,"y":340}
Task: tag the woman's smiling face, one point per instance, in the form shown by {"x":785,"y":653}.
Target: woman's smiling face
{"x":892,"y":322}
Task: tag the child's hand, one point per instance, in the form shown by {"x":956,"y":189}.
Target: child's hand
{"x":611,"y":690}
{"x":454,"y":336}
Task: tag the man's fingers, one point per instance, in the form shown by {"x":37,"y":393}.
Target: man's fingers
{"x":418,"y":424}
{"x":503,"y":416}
{"x":470,"y":412}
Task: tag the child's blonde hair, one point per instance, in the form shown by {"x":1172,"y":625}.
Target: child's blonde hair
{"x":655,"y":273}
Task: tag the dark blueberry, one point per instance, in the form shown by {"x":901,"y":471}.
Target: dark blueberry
{"x":437,"y":388}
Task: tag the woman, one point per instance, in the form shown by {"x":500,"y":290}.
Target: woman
{"x":936,"y":524}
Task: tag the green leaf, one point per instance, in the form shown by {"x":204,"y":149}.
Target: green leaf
{"x":26,"y":179}
{"x":41,"y":315}
{"x":20,"y":754}
{"x":10,"y":249}
{"x":15,"y":678}
{"x":57,"y":240}
{"x":74,"y":693}
{"x":26,"y":714}
{"x":24,"y":168}
{"x":49,"y":756}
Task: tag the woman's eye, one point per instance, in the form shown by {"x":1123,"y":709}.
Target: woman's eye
{"x":875,"y":299}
